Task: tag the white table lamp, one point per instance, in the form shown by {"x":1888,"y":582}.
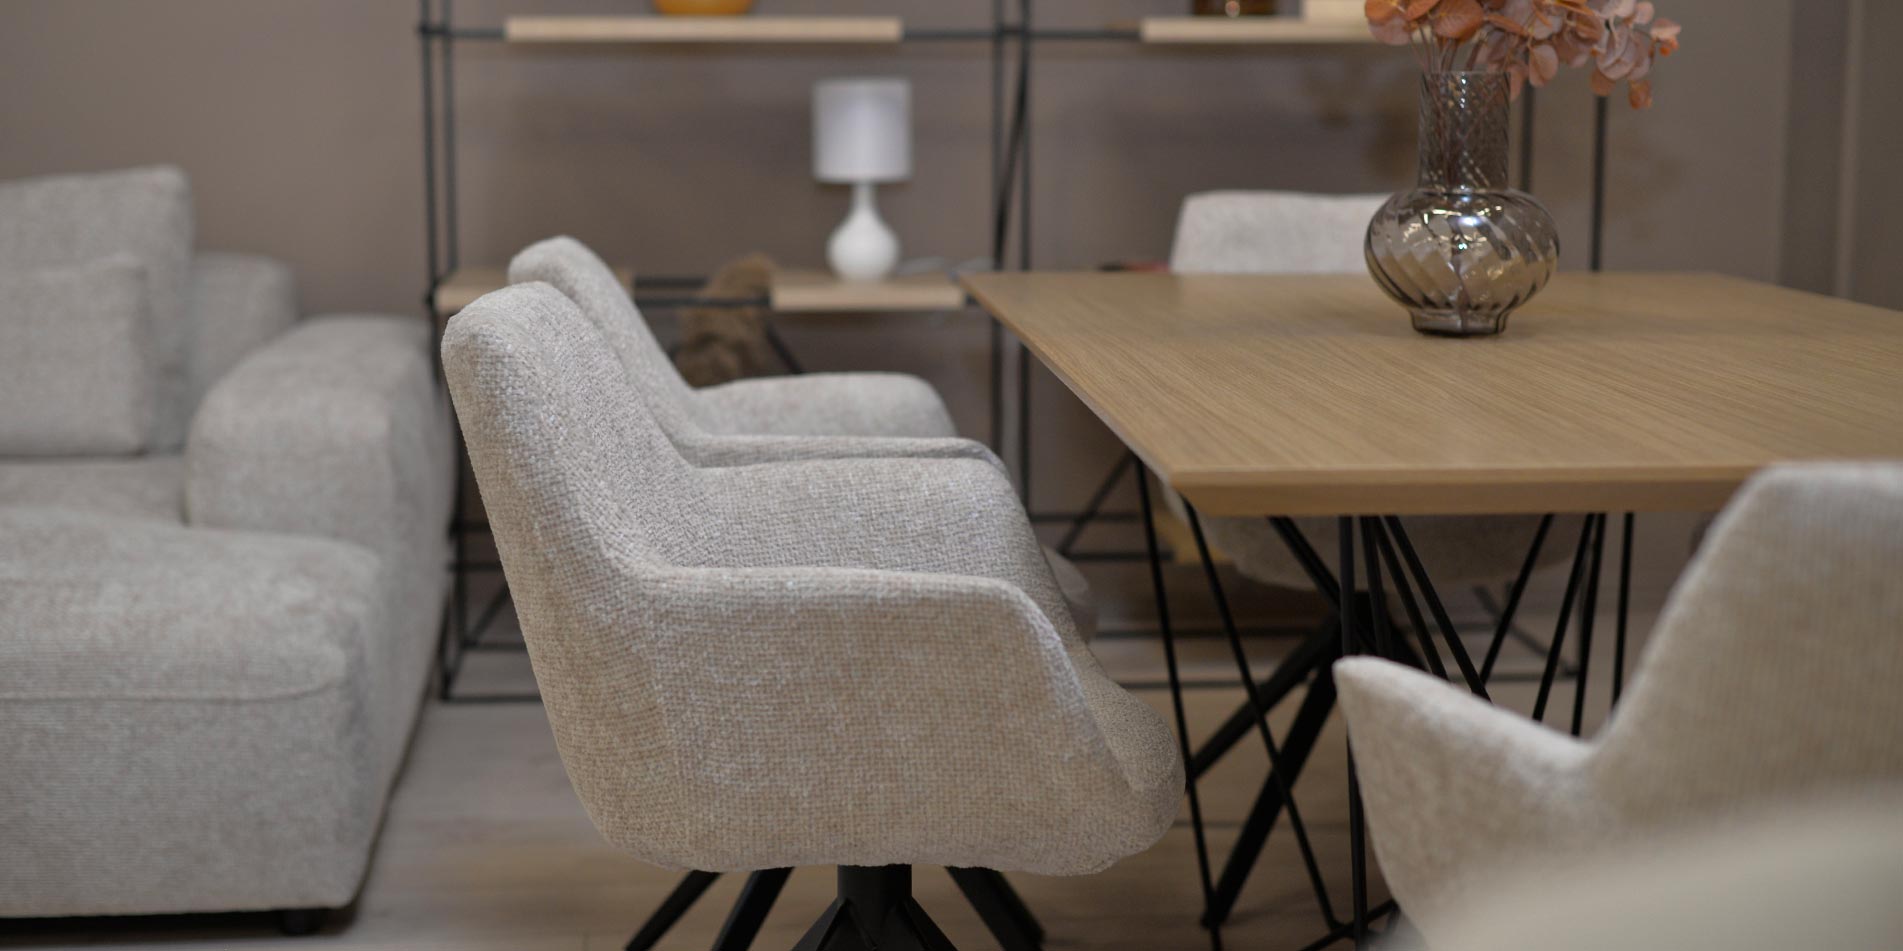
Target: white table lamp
{"x":862,"y":135}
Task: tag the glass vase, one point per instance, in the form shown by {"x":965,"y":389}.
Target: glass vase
{"x":1462,"y":251}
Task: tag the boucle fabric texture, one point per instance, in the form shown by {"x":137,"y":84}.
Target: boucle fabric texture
{"x":1772,"y":674}
{"x":68,"y":220}
{"x":207,"y":716}
{"x":335,"y":429}
{"x":150,"y":487}
{"x":1248,"y":232}
{"x":78,"y":372}
{"x":1814,"y":874}
{"x":240,"y":302}
{"x":780,"y":419}
{"x":191,"y":720}
{"x":1268,"y":232}
{"x":837,"y":662}
{"x":777,"y":419}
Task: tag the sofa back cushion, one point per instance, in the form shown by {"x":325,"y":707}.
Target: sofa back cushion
{"x":64,"y":221}
{"x":77,"y":373}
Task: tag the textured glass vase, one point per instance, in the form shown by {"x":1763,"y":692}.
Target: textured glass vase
{"x":1462,"y":251}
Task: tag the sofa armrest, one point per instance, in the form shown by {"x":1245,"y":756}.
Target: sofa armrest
{"x":337,"y":429}
{"x":239,"y":303}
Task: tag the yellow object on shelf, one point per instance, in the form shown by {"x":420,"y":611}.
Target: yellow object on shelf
{"x":703,"y":8}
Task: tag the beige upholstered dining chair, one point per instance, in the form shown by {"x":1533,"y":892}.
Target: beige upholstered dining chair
{"x":773,"y":419}
{"x":1821,"y":874}
{"x":863,"y":662}
{"x":1290,"y":233}
{"x":1772,"y":674}
{"x":768,"y":419}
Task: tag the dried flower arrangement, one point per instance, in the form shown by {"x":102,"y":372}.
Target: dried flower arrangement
{"x":1531,"y":39}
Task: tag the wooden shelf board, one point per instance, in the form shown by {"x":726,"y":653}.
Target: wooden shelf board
{"x":464,"y":285}
{"x":1251,"y":30}
{"x":793,"y":292}
{"x":670,"y":29}
{"x":797,"y":292}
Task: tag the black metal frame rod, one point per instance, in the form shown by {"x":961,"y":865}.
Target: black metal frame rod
{"x":1026,"y":43}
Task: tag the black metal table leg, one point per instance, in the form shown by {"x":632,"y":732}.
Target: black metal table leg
{"x":1357,"y":824}
{"x":1412,"y":560}
{"x":1625,"y":605}
{"x":1308,"y":659}
{"x":1513,"y":599}
{"x":1281,"y":771}
{"x":1176,"y":693}
{"x":1586,"y":614}
{"x":1565,"y":617}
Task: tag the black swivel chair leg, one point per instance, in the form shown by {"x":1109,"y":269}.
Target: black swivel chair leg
{"x":875,"y":911}
{"x":682,"y":898}
{"x":998,"y":904}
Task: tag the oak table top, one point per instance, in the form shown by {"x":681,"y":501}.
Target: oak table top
{"x":1311,"y":395}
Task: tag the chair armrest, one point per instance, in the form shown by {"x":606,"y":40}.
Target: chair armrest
{"x":944,"y":516}
{"x":859,"y":695}
{"x":239,"y":303}
{"x":831,"y":404}
{"x":336,"y":429}
{"x":721,"y":451}
{"x":1457,"y":788}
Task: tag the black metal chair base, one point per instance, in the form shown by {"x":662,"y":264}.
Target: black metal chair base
{"x":875,"y":912}
{"x":1004,"y":913}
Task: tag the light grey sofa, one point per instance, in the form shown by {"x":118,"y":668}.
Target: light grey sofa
{"x":222,"y":563}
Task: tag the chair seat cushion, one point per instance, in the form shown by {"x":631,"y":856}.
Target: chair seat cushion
{"x":77,"y":368}
{"x":104,"y":608}
{"x":150,"y":487}
{"x":827,"y":404}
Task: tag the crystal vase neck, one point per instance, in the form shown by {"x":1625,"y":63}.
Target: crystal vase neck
{"x":1464,"y":131}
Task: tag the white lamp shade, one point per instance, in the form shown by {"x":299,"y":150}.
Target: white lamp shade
{"x":862,"y":130}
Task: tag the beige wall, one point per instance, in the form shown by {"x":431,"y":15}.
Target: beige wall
{"x":298,"y":120}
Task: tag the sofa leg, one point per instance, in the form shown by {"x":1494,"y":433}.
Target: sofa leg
{"x":298,"y":922}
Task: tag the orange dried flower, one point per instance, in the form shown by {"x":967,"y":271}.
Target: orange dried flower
{"x":1531,"y":39}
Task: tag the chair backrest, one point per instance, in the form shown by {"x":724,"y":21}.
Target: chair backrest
{"x":69,"y":220}
{"x":572,"y":268}
{"x":1777,"y":667}
{"x":584,"y":494}
{"x":558,"y":436}
{"x":1272,"y":233}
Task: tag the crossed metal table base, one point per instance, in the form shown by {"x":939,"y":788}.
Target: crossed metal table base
{"x":1375,"y":552}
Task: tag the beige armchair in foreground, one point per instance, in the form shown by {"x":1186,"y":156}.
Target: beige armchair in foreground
{"x":223,"y":556}
{"x":1821,"y":874}
{"x":863,"y":662}
{"x":1772,"y":676}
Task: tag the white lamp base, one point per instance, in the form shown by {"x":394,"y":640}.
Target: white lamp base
{"x":863,"y":248}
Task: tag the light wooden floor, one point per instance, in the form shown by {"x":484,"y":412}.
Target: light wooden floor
{"x":486,"y":849}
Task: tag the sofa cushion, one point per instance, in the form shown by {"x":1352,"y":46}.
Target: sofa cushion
{"x":67,"y":220}
{"x":96,"y":607}
{"x":150,"y":487}
{"x":77,"y":374}
{"x":191,"y":720}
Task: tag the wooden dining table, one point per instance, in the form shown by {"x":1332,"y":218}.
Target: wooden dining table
{"x":1308,"y":395}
